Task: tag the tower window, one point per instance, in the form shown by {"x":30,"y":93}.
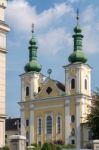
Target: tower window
{"x":49,"y":125}
{"x":85,"y":84}
{"x":39,"y":126}
{"x":49,"y":90}
{"x":72,"y":141}
{"x":58,"y":124}
{"x":73,"y":84}
{"x":72,"y":118}
{"x":73,"y":132}
{"x":39,"y":89}
{"x":27,"y":123}
{"x":27,"y":91}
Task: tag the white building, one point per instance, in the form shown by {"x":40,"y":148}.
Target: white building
{"x":4,"y":28}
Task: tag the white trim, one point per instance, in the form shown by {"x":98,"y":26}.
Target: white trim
{"x":22,"y":123}
{"x":78,"y":129}
{"x":60,"y":98}
{"x":67,"y":121}
{"x":31,"y":124}
{"x":50,"y":106}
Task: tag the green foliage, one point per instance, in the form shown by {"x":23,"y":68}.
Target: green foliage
{"x":46,"y":146}
{"x":59,"y":142}
{"x":5,"y":148}
{"x":93,"y":117}
{"x":33,"y":146}
{"x":68,"y":146}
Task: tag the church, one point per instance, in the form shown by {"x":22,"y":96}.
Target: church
{"x":51,"y":110}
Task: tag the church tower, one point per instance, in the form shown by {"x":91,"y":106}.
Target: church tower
{"x":4,"y":28}
{"x":78,"y":90}
{"x":30,"y":84}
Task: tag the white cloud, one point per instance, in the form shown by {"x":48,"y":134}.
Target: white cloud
{"x":90,"y":28}
{"x":54,"y":40}
{"x":91,"y":44}
{"x":89,"y":14}
{"x":21,"y":15}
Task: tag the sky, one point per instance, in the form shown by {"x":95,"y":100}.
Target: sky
{"x":54,"y":22}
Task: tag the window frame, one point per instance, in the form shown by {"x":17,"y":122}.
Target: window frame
{"x":27,"y":91}
{"x":86,"y":84}
{"x":73,"y":83}
{"x":47,"y":125}
{"x":72,"y":118}
{"x":27,"y":122}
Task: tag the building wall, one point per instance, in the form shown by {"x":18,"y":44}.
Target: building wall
{"x":3,"y":30}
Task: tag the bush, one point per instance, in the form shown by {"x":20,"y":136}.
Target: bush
{"x":59,"y":142}
{"x":5,"y":148}
{"x":46,"y":146}
{"x":68,"y":146}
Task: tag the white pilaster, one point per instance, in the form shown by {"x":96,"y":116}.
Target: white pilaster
{"x":31,"y":124}
{"x":67,"y":121}
{"x":23,"y":122}
{"x":78,"y":134}
{"x":22,"y":90}
{"x":78,"y":88}
{"x":67,"y":81}
{"x":89,"y":85}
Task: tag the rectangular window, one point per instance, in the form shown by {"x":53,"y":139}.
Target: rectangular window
{"x":27,"y":123}
{"x":72,"y":141}
{"x":39,"y":126}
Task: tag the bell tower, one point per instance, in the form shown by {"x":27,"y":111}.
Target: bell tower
{"x":4,"y":28}
{"x":78,"y":89}
{"x":30,"y":82}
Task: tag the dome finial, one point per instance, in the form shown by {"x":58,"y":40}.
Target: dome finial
{"x":32,"y":29}
{"x":77,"y":16}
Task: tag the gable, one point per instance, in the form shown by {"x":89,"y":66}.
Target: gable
{"x":50,"y":88}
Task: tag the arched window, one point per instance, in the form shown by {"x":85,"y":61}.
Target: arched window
{"x":73,"y":132}
{"x":86,"y":84}
{"x":49,"y":125}
{"x":39,"y":89}
{"x":39,"y":126}
{"x":73,"y":84}
{"x":27,"y":91}
{"x":59,"y":124}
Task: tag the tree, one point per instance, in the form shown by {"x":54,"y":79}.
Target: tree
{"x":93,"y":116}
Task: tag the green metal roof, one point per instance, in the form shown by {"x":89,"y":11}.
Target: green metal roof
{"x":33,"y":64}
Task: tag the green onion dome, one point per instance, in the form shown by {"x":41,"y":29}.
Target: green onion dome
{"x":78,"y":54}
{"x":33,"y":64}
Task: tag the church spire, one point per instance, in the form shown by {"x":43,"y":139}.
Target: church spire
{"x":33,"y":64}
{"x":78,"y":54}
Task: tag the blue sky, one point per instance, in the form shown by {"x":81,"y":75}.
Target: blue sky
{"x":54,"y":22}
